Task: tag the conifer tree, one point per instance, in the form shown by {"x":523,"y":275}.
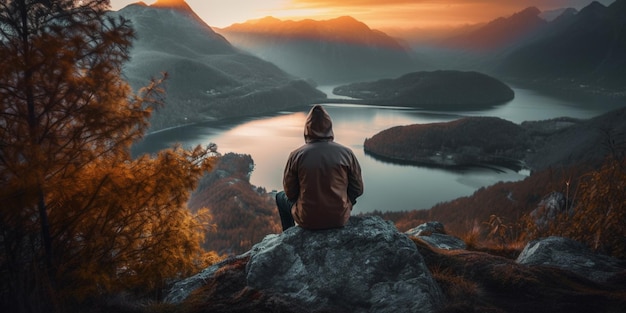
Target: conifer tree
{"x":80,"y":217}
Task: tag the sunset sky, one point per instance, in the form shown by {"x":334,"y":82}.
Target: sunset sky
{"x":375,"y":13}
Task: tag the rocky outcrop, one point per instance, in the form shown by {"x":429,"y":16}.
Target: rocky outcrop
{"x":570,"y":255}
{"x":548,"y":209}
{"x":366,"y":266}
{"x":434,"y":234}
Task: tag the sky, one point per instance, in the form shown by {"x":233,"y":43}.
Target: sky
{"x":375,"y":13}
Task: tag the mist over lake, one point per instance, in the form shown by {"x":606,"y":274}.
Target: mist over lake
{"x":388,"y":187}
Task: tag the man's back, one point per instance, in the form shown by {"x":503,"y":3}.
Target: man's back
{"x":322,"y":177}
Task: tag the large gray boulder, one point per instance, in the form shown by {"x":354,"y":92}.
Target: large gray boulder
{"x":366,"y":266}
{"x":570,"y":255}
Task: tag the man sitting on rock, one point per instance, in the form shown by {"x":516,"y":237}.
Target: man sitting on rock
{"x":322,"y":178}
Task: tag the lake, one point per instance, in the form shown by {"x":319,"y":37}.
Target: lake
{"x":388,"y":187}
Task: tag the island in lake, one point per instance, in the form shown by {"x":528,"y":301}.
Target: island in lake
{"x":465,"y":142}
{"x":451,"y":90}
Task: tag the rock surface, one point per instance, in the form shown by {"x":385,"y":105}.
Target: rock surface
{"x":182,"y":289}
{"x":571,"y":255}
{"x":366,"y":266}
{"x":548,"y":209}
{"x":369,"y":266}
{"x":435,"y":235}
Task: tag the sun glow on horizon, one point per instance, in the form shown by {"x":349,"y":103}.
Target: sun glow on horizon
{"x":376,"y":14}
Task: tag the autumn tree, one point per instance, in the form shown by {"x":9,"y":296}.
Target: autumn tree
{"x":79,"y":216}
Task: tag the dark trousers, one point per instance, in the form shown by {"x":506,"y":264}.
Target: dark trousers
{"x":284,"y":209}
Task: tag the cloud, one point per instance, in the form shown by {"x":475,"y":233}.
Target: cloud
{"x":430,"y":12}
{"x":493,"y":3}
{"x":375,"y":13}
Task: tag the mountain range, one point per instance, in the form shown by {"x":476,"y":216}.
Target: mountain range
{"x":208,"y":77}
{"x":575,"y":50}
{"x":273,"y":64}
{"x":499,"y":33}
{"x":583,"y":50}
{"x":332,"y":51}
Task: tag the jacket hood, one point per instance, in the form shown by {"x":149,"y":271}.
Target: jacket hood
{"x":318,"y":125}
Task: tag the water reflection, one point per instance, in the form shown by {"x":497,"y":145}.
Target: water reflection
{"x":270,"y":138}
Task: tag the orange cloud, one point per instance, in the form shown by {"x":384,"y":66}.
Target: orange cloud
{"x":411,"y":13}
{"x":375,"y":13}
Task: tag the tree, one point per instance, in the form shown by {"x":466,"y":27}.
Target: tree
{"x":78,"y":213}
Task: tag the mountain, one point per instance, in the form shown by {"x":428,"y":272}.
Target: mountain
{"x":208,"y":77}
{"x":582,"y":51}
{"x":499,"y":33}
{"x":337,"y":50}
{"x":577,"y":142}
{"x":552,"y":15}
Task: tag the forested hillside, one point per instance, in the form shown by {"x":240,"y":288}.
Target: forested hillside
{"x":442,"y":89}
{"x":464,"y":142}
{"x":242,"y":214}
{"x":582,"y":161}
{"x":208,"y":78}
{"x":507,"y":215}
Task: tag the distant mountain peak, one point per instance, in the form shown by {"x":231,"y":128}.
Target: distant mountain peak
{"x":532,"y":11}
{"x":527,"y":15}
{"x":267,"y":19}
{"x":180,"y":5}
{"x":593,"y":7}
{"x":346,"y":19}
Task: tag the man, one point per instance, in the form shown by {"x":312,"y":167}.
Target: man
{"x":322,"y":178}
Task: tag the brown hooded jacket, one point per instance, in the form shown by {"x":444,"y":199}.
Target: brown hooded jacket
{"x":322,"y":177}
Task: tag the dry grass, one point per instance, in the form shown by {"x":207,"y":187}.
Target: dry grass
{"x":476,"y":281}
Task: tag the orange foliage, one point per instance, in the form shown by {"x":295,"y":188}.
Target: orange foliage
{"x":116,"y":216}
{"x":598,"y":212}
{"x":242,"y":213}
{"x":80,"y":218}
